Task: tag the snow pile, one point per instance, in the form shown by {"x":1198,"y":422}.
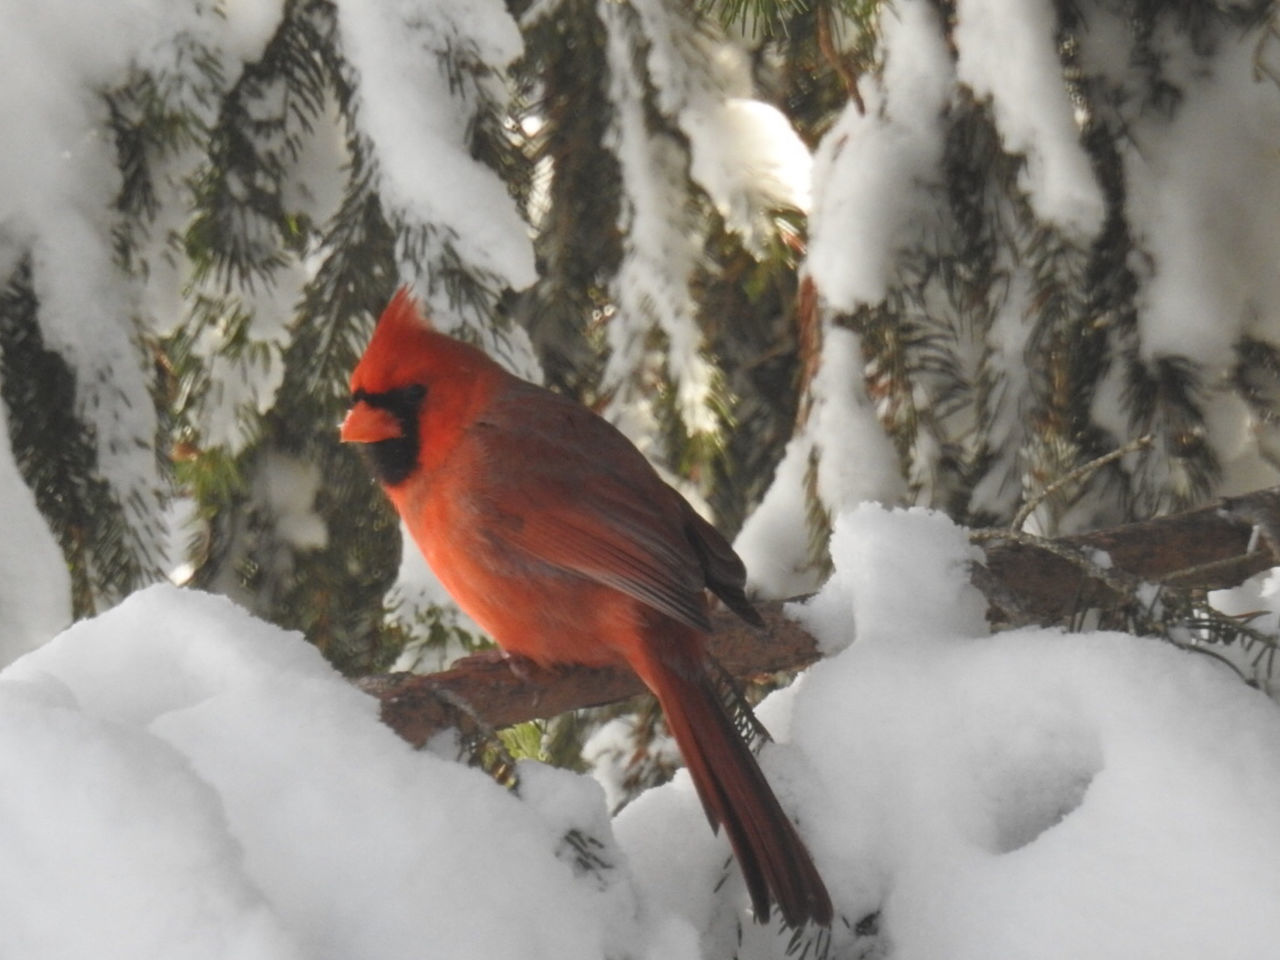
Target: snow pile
{"x":184,"y":781}
{"x":1032,"y":794}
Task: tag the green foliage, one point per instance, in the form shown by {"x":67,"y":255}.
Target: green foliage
{"x":756,"y":16}
{"x":747,"y":308}
{"x":561,"y":92}
{"x":969,"y":440}
{"x":55,"y":453}
{"x":524,"y":741}
{"x":772,"y":18}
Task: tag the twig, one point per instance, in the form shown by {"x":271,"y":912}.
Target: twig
{"x":1079,"y":473}
{"x":837,"y":61}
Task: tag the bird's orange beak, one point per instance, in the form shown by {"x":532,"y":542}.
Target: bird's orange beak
{"x":369,"y":424}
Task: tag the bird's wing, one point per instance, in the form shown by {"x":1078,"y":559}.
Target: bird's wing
{"x":557,"y":483}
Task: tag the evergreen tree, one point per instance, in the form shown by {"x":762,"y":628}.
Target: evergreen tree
{"x":1016,"y":336}
{"x":988,"y":280}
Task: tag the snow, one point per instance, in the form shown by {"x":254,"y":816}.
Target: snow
{"x":856,"y":462}
{"x":417,"y":117}
{"x":105,"y":827}
{"x":1198,"y":121}
{"x":659,"y":253}
{"x":425,"y":72}
{"x":1007,"y":51}
{"x":287,"y":488}
{"x":1031,"y":794}
{"x":243,"y":383}
{"x":880,"y":591}
{"x":1212,"y":241}
{"x":60,"y":185}
{"x":182,"y":780}
{"x":742,"y":151}
{"x":870,"y":171}
{"x":751,"y":161}
{"x":187,"y":781}
{"x":774,"y":540}
{"x":35,"y":591}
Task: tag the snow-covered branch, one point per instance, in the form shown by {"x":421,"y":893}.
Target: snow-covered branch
{"x":1025,"y":579}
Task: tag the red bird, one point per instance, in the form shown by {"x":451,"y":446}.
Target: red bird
{"x":559,"y":539}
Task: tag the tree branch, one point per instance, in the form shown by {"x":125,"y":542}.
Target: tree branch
{"x":1025,"y":580}
{"x":1212,"y":547}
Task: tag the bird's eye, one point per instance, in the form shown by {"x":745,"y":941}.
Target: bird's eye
{"x":401,"y":400}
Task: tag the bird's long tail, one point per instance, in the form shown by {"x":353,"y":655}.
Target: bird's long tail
{"x":774,"y":861}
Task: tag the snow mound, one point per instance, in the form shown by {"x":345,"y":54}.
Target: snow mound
{"x":1033,"y":794}
{"x":186,"y":781}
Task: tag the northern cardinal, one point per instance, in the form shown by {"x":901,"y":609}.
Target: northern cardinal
{"x":556,"y":535}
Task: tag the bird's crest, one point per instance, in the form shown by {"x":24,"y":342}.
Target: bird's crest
{"x":403,"y":311}
{"x":406,"y":349}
